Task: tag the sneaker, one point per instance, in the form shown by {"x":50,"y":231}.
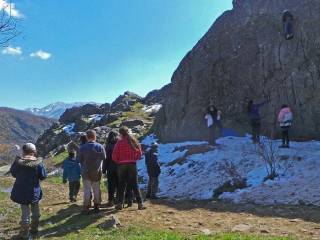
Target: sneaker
{"x":141,"y":206}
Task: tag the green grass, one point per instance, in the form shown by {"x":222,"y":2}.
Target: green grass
{"x":133,"y":233}
{"x":55,"y":180}
{"x":58,"y":159}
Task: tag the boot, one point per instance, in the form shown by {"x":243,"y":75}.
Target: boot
{"x":141,"y":206}
{"x":96,"y":208}
{"x":23,"y":232}
{"x":86,"y":210}
{"x":119,"y":206}
{"x":34,"y":227}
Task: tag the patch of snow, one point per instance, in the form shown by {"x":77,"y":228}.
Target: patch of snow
{"x":95,"y":117}
{"x":69,"y":128}
{"x":153,"y":108}
{"x":199,"y":175}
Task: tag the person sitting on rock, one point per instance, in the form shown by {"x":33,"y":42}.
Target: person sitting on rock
{"x":91,"y":156}
{"x":153,"y":169}
{"x":285,"y":118}
{"x":28,"y":172}
{"x":72,"y":173}
{"x":255,"y":119}
{"x":109,"y":167}
{"x":126,"y":153}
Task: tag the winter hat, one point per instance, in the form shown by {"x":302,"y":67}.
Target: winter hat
{"x":154,"y":145}
{"x":29,"y":148}
{"x":72,"y":147}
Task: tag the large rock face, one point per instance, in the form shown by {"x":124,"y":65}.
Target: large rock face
{"x":243,"y":56}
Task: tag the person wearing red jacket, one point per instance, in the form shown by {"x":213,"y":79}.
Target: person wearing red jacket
{"x":126,"y":153}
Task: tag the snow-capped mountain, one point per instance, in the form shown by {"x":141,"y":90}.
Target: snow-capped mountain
{"x":54,"y":110}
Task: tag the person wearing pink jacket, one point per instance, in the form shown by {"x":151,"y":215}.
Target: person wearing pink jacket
{"x":285,"y":118}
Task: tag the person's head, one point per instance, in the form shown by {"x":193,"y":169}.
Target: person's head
{"x":72,"y":149}
{"x":112,"y":138}
{"x":29,"y":149}
{"x":83,"y":139}
{"x":125,"y":133}
{"x":154,"y":147}
{"x":91,"y":135}
{"x":284,"y":106}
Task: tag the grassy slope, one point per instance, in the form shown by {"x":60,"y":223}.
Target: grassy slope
{"x":61,"y":220}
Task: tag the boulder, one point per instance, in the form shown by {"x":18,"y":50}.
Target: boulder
{"x":244,"y":56}
{"x":124,"y":102}
{"x":132,"y":123}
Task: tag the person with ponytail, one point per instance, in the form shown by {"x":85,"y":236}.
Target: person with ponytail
{"x":126,"y":153}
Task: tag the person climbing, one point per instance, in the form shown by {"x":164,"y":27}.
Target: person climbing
{"x":213,"y":117}
{"x":153,"y":169}
{"x":91,"y":156}
{"x":255,"y":119}
{"x":72,"y":173}
{"x":28,"y":171}
{"x":109,"y":167}
{"x":285,"y":118}
{"x":126,"y":153}
{"x":287,"y":20}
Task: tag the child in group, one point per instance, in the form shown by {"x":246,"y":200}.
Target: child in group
{"x":28,"y":172}
{"x":72,"y":173}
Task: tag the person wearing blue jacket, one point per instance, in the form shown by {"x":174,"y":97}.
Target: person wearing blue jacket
{"x":72,"y":173}
{"x":28,"y":171}
{"x":153,"y":169}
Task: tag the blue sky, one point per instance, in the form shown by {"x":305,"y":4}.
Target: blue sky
{"x":95,"y":50}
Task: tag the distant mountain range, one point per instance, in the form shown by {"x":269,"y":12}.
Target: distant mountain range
{"x":18,"y":127}
{"x":54,"y":110}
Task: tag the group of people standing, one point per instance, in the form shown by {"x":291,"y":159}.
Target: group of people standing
{"x":117,"y":159}
{"x":285,"y":119}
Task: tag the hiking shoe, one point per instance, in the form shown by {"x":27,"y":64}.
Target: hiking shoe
{"x":141,"y":206}
{"x":110,"y":204}
{"x":96,"y":208}
{"x":119,"y":207}
{"x":34,"y":227}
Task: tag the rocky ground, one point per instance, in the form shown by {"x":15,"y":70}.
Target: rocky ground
{"x":186,"y":219}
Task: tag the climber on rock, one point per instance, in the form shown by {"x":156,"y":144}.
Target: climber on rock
{"x":287,"y":20}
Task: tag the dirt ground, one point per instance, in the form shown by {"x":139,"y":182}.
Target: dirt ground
{"x":190,"y":217}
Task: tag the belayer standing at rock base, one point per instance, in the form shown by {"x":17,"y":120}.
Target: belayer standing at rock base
{"x":213,"y":118}
{"x":126,"y":154}
{"x":91,"y":156}
{"x":154,"y":171}
{"x":28,"y":172}
{"x":255,"y":118}
{"x":285,"y":118}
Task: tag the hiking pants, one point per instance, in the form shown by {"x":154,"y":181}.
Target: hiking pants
{"x":74,"y":188}
{"x":211,"y":135}
{"x":25,"y":213}
{"x":285,"y":135}
{"x":256,"y":128}
{"x":88,"y":188}
{"x":112,"y":184}
{"x":153,"y":186}
{"x":128,"y":178}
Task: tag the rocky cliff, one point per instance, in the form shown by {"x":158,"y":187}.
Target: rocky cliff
{"x":243,"y":56}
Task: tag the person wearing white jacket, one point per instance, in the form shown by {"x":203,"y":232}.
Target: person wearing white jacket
{"x":285,"y":118}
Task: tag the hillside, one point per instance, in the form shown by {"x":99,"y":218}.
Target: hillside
{"x":243,"y":56}
{"x":54,"y":110}
{"x":17,"y":127}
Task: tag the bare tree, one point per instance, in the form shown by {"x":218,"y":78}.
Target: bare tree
{"x":8,"y":26}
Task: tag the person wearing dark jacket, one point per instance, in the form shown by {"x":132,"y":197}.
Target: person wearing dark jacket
{"x":153,"y":168}
{"x":91,"y":156}
{"x":109,"y":167}
{"x":28,"y":172}
{"x":126,"y":153}
{"x":72,"y":173}
{"x":255,"y":119}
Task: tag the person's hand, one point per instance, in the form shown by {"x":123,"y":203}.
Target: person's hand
{"x":64,"y":181}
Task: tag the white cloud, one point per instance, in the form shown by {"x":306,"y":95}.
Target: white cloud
{"x":14,"y":51}
{"x":10,"y":9}
{"x":41,"y":54}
